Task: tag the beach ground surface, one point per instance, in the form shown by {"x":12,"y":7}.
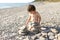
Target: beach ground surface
{"x":11,"y":19}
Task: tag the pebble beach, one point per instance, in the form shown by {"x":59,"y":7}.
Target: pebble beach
{"x":11,"y":19}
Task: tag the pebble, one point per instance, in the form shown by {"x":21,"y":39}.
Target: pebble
{"x":56,"y":36}
{"x":51,"y":37}
{"x":44,"y":34}
{"x":50,"y":33}
{"x":21,"y":29}
{"x":42,"y":38}
{"x":28,"y":38}
{"x":22,"y":37}
{"x":59,"y":36}
{"x":55,"y":39}
{"x":22,"y":16}
{"x":54,"y":30}
{"x":43,"y":28}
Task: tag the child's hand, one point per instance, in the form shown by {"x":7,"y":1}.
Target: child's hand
{"x":31,"y":28}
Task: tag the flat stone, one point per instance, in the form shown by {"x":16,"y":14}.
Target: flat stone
{"x":51,"y":37}
{"x":19,"y":31}
{"x":50,"y":33}
{"x":43,"y":28}
{"x":54,"y":30}
{"x":42,"y":38}
{"x":44,"y":34}
{"x":59,"y":36}
{"x":22,"y":27}
{"x":50,"y":24}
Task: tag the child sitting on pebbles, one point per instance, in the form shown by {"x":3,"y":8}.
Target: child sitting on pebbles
{"x":33,"y":21}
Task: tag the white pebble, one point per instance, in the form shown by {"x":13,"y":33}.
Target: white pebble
{"x":44,"y":34}
{"x":55,"y":39}
{"x":42,"y":38}
{"x":50,"y":33}
{"x":59,"y":36}
{"x":54,"y":30}
{"x":51,"y":37}
{"x":43,"y":28}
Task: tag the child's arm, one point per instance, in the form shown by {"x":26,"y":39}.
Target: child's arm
{"x":28,"y":20}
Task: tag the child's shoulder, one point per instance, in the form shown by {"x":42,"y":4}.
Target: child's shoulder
{"x":37,"y":12}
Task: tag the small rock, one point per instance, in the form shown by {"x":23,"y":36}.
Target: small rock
{"x":13,"y":34}
{"x":50,"y":24}
{"x":21,"y":29}
{"x":50,"y":33}
{"x":55,"y":39}
{"x":42,"y":38}
{"x":56,"y":36}
{"x":36,"y":38}
{"x":54,"y":30}
{"x":44,"y":34}
{"x":22,"y":37}
{"x":46,"y":30}
{"x":22,"y":16}
{"x":27,"y":38}
{"x":37,"y":35}
{"x":51,"y":37}
{"x":43,"y":28}
{"x":59,"y":36}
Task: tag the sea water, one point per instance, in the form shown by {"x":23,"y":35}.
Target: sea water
{"x":9,"y":5}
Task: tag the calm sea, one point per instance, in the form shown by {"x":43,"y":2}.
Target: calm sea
{"x":9,"y":5}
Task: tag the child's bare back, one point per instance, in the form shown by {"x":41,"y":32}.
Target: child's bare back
{"x":35,"y":17}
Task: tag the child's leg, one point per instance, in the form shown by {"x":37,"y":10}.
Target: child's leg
{"x":37,"y":29}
